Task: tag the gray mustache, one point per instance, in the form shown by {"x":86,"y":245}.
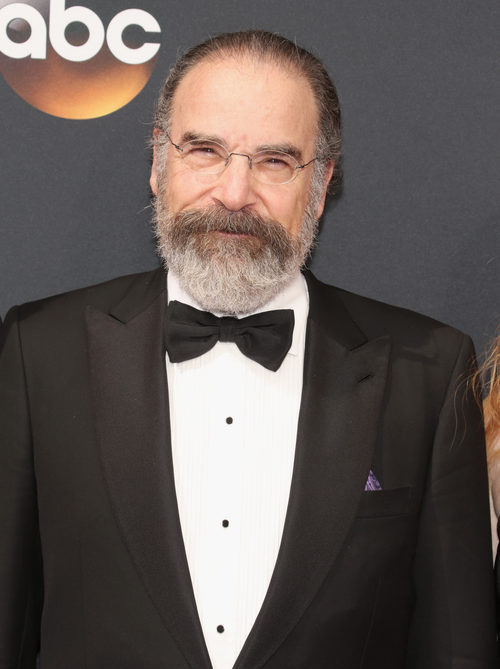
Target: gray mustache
{"x":217,"y":219}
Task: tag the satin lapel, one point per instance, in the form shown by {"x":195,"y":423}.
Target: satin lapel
{"x":130,"y":397}
{"x":344,"y":381}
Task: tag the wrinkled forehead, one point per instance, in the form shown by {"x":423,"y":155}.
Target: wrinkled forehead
{"x":250,"y":100}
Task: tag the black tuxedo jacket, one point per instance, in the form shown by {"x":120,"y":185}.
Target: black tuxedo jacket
{"x":92,"y":563}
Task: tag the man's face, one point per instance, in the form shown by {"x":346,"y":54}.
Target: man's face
{"x":233,"y":242}
{"x":245,"y":106}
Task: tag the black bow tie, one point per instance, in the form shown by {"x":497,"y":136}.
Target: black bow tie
{"x":265,"y":337}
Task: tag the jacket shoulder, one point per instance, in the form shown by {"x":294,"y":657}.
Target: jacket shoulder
{"x":102,"y":296}
{"x":62,"y":317}
{"x":407,"y":328}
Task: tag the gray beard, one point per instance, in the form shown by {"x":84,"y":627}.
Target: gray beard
{"x":225,"y":274}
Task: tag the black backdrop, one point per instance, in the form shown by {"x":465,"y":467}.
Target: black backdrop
{"x":417,"y":223}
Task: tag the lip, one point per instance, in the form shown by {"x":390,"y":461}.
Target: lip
{"x":232,"y":234}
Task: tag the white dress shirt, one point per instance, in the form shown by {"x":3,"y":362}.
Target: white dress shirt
{"x":234,"y":428}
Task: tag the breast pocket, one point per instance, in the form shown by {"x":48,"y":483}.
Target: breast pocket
{"x":393,"y":502}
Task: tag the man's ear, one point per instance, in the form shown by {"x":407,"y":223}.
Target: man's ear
{"x":153,"y":179}
{"x":326,"y":181}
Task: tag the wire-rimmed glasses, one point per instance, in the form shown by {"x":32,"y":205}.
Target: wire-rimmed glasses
{"x":269,"y":166}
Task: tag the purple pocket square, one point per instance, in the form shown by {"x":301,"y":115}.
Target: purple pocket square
{"x":372,"y":482}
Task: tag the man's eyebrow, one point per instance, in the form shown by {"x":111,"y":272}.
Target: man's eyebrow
{"x":190,"y":136}
{"x":291,"y":149}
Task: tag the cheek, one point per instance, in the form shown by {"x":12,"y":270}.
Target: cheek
{"x":288,"y":209}
{"x":184,"y":189}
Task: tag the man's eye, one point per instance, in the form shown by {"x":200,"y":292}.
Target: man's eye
{"x":274,"y":162}
{"x":204,"y":151}
{"x":200,"y":149}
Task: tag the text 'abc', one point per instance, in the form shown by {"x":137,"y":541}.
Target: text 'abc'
{"x":35,"y":46}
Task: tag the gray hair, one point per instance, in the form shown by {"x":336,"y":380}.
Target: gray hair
{"x":269,"y":47}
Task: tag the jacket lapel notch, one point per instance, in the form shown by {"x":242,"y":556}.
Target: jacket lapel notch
{"x":143,"y":291}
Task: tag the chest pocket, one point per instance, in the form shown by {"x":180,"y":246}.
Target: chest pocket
{"x":393,"y":502}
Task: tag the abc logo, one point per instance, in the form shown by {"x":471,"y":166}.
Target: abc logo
{"x":68,"y":62}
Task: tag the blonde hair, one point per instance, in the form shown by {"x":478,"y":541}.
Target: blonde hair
{"x":491,"y":374}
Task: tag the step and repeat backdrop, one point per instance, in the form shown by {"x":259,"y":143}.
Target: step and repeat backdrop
{"x":417,"y":222}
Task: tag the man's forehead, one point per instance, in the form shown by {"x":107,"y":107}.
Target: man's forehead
{"x":256,"y":93}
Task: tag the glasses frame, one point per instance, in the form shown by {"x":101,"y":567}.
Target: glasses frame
{"x":250,"y":158}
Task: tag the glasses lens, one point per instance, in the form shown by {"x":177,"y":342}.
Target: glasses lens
{"x":204,"y":156}
{"x":274,"y":167}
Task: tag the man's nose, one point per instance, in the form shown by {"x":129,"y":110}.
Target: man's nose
{"x":235,"y":186}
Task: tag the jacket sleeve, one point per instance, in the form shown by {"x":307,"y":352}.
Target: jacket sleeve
{"x":453,"y":622}
{"x":20,"y":561}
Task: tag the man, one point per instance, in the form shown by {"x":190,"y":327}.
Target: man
{"x":302,"y":489}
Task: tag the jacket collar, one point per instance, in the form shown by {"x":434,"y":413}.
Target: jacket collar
{"x":343,"y":389}
{"x":130,"y":404}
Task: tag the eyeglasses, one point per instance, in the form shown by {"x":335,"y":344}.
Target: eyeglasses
{"x":269,"y":166}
